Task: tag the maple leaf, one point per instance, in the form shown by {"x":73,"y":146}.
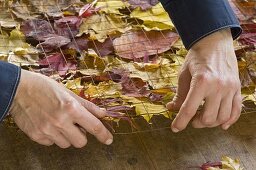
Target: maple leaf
{"x":226,"y":164}
{"x":53,"y":42}
{"x":143,"y":4}
{"x":16,"y":50}
{"x":79,"y":44}
{"x":107,"y":89}
{"x":88,"y":10}
{"x":6,"y":19}
{"x":57,"y":62}
{"x":100,"y":26}
{"x":147,"y":109}
{"x":248,"y":37}
{"x":155,"y":18}
{"x":138,"y":44}
{"x":48,"y":8}
{"x":67,"y":26}
{"x":102,"y":48}
{"x":112,"y":7}
{"x":37,"y":28}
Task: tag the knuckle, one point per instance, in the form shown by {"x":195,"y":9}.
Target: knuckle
{"x":202,"y":78}
{"x":59,"y":123}
{"x":44,"y":128}
{"x":97,"y":128}
{"x":35,"y":137}
{"x":223,"y":119}
{"x":208,"y":121}
{"x":69,"y":104}
{"x":81,"y":144}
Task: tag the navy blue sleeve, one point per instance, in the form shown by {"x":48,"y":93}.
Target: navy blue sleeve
{"x":9,"y":80}
{"x":195,"y":19}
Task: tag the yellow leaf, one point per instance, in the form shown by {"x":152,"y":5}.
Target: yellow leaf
{"x":112,"y":6}
{"x":155,"y":18}
{"x":165,"y":76}
{"x":146,"y":109}
{"x":100,"y":26}
{"x":228,"y":164}
{"x":15,"y":50}
{"x":90,"y":60}
{"x":74,"y":85}
{"x":108,"y":89}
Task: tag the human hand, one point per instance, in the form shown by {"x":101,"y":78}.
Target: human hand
{"x":49,"y":113}
{"x":210,"y":75}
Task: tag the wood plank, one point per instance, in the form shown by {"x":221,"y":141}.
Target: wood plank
{"x":160,"y":149}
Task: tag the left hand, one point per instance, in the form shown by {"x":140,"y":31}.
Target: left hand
{"x":210,"y":75}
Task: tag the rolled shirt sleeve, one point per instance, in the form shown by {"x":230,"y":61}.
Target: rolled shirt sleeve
{"x":195,"y":19}
{"x":9,"y":80}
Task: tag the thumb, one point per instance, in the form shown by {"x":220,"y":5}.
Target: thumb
{"x":182,"y":90}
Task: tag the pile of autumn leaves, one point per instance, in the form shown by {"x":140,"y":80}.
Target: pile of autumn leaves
{"x":121,"y":55}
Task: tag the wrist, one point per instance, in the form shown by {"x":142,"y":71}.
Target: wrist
{"x":214,"y":41}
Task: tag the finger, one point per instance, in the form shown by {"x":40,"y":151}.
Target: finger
{"x":236,"y":111}
{"x":45,"y":141}
{"x":94,"y":109}
{"x":225,"y":109}
{"x":74,"y":135}
{"x":59,"y":139}
{"x":188,"y":109}
{"x":182,"y":90}
{"x":94,"y":126}
{"x":211,"y":110}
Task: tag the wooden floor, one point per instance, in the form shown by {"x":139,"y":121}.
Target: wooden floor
{"x":152,"y":150}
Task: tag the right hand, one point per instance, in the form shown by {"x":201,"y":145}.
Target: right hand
{"x":49,"y":113}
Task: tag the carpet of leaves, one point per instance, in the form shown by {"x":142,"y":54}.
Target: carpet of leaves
{"x":121,"y":55}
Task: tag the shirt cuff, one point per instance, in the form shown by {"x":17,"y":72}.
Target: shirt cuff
{"x":195,"y":19}
{"x":9,"y":80}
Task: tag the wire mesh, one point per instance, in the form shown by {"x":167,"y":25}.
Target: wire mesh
{"x":114,"y":71}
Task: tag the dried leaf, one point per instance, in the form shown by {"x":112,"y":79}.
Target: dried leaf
{"x":143,"y":4}
{"x":67,"y":26}
{"x":25,"y":9}
{"x":58,"y":63}
{"x":111,"y":7}
{"x":155,"y":18}
{"x":100,"y":26}
{"x":139,"y":44}
{"x":227,"y":164}
{"x":16,"y":49}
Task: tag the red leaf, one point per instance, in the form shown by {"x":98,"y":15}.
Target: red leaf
{"x":248,"y":37}
{"x":88,"y":10}
{"x":58,"y":63}
{"x":67,"y":26}
{"x":102,"y":49}
{"x":37,"y":28}
{"x":139,"y":44}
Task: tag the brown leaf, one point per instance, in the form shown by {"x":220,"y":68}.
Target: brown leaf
{"x":30,"y":9}
{"x":138,"y":44}
{"x":143,"y":4}
{"x":37,"y":28}
{"x":67,"y":26}
{"x":57,"y":62}
{"x":52,"y":43}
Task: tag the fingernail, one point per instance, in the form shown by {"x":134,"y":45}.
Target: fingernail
{"x":226,"y":127}
{"x":175,"y":130}
{"x":109,"y":141}
{"x":103,"y":109}
{"x":169,"y":105}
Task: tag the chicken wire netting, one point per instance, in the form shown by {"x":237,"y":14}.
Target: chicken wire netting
{"x":121,"y":55}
